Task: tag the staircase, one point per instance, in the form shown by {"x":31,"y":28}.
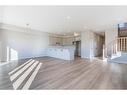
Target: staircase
{"x":116,"y":51}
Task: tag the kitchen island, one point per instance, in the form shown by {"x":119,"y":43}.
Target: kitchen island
{"x":61,"y":52}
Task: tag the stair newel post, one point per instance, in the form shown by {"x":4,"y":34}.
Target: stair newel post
{"x":116,"y":49}
{"x":104,"y":52}
{"x":118,"y":44}
{"x":111,"y":50}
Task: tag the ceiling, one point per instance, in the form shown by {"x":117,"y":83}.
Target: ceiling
{"x":65,"y":19}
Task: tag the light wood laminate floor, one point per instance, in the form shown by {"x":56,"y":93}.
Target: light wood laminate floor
{"x":71,"y":75}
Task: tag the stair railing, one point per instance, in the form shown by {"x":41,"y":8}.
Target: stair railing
{"x":122,"y":44}
{"x":117,"y":45}
{"x":110,"y":49}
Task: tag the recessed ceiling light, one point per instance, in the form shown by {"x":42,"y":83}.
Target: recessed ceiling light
{"x":27,"y":24}
{"x":76,"y":34}
{"x":68,"y":17}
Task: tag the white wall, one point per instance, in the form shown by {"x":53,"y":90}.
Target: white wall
{"x":110,"y":35}
{"x":88,"y":41}
{"x":91,"y":44}
{"x":86,"y":44}
{"x":25,"y":44}
{"x":1,"y":14}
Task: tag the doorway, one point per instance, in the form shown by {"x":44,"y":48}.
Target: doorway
{"x":77,"y":48}
{"x":97,"y":45}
